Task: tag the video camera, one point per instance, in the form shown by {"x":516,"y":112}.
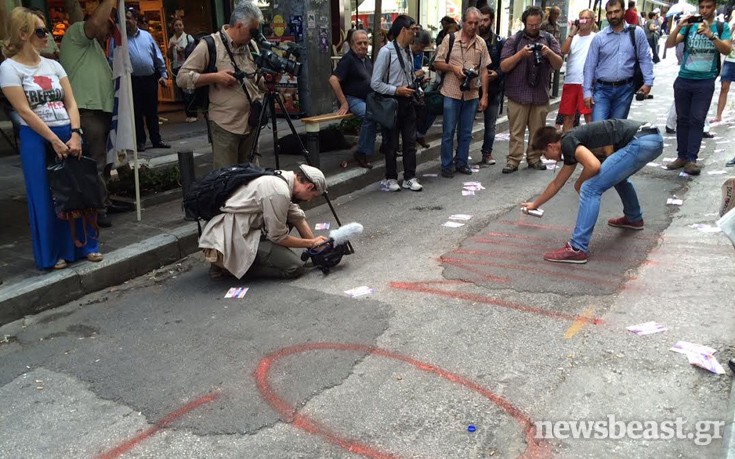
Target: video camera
{"x":327,"y":255}
{"x":269,"y":60}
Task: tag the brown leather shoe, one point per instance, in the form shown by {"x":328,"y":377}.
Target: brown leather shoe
{"x":678,"y":163}
{"x":692,"y":168}
{"x":362,"y":161}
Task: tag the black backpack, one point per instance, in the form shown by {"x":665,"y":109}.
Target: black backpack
{"x":200,"y":101}
{"x":205,"y":198}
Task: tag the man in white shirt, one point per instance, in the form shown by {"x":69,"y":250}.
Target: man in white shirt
{"x":576,"y":46}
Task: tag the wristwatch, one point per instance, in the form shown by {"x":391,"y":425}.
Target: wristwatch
{"x":77,"y":130}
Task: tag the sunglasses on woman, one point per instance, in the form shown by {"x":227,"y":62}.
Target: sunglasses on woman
{"x":41,"y":32}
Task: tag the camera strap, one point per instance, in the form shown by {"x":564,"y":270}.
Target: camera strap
{"x":401,"y":63}
{"x":235,"y":66}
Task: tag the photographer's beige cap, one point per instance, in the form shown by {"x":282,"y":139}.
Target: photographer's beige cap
{"x":315,"y":176}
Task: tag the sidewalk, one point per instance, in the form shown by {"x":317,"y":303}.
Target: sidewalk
{"x":133,"y":248}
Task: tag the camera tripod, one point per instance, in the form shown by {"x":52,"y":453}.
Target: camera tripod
{"x":270,"y":100}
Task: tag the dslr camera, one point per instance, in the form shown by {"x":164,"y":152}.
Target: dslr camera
{"x":269,"y":60}
{"x":538,"y":59}
{"x":417,"y":85}
{"x":469,"y":75}
{"x":695,"y":19}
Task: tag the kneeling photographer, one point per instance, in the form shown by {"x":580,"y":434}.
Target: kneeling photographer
{"x":252,"y":234}
{"x":229,"y":106}
{"x":463,"y":75}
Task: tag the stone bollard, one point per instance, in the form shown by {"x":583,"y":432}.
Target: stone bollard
{"x":186,"y":175}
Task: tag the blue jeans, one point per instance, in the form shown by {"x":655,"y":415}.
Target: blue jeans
{"x":366,"y":142}
{"x":692,"y":99}
{"x":612,"y":102}
{"x":614,"y":172}
{"x":491,"y":117}
{"x":462,"y":112}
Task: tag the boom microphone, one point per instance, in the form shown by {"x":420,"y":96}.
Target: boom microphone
{"x":344,"y":233}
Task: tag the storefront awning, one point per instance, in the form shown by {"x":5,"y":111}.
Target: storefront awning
{"x":387,"y":6}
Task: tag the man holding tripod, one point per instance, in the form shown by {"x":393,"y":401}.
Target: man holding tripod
{"x":229,"y":104}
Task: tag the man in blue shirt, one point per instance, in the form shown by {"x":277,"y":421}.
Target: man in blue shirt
{"x":609,"y":69}
{"x":149,"y":70}
{"x":703,"y":43}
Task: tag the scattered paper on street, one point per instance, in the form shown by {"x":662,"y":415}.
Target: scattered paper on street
{"x":503,"y":136}
{"x":719,"y":150}
{"x":685,"y":347}
{"x":473,"y":186}
{"x":706,"y":361}
{"x":652,"y":164}
{"x":647,"y":328}
{"x":722,"y":141}
{"x":720,"y":172}
{"x":431,"y":175}
{"x":667,"y":160}
{"x":359,"y":291}
{"x":460,"y":217}
{"x":321,"y":226}
{"x":468,"y":193}
{"x":703,"y":227}
{"x":683,"y":174}
{"x":674,"y":201}
{"x":236,"y":292}
{"x":452,"y":224}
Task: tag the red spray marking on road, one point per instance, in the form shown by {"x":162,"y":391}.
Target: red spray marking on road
{"x":485,"y":276}
{"x":419,"y":287}
{"x":534,"y":449}
{"x":167,"y":420}
{"x":563,"y":275}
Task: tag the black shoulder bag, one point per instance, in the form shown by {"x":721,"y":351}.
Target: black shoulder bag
{"x":637,"y":73}
{"x":381,"y":108}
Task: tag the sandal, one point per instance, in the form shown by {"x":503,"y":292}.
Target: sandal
{"x":61,"y":264}
{"x":94,"y":257}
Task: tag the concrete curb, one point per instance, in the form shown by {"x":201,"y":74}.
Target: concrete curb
{"x":36,"y":294}
{"x":728,"y":438}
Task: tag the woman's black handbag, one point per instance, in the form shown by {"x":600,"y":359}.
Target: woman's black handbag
{"x":76,"y":192}
{"x":382,"y":109}
{"x":75,"y":184}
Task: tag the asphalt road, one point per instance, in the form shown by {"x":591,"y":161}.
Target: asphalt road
{"x":466,"y":326}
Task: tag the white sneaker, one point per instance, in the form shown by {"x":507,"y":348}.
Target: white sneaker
{"x":412,"y":184}
{"x":390,"y":185}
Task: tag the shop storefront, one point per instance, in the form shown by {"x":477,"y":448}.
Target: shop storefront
{"x":157,"y":18}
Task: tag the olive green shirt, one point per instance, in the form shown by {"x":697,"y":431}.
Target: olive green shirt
{"x":89,"y":72}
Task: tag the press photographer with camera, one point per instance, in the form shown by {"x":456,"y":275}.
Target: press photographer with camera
{"x":252,"y":235}
{"x":463,"y":75}
{"x":575,"y":47}
{"x":232,"y":135}
{"x":527,"y":60}
{"x":393,"y":76}
{"x":704,"y":41}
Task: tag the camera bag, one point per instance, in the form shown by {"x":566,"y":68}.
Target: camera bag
{"x":433,"y":97}
{"x":207,"y":196}
{"x":200,"y":101}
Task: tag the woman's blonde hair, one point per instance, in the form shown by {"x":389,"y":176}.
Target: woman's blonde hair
{"x":22,"y":21}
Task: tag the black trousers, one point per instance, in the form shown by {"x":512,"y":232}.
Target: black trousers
{"x":406,"y":127}
{"x":145,"y":106}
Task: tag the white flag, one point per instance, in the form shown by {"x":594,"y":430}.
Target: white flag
{"x":121,"y":139}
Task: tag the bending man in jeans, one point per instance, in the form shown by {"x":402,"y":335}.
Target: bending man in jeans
{"x":610,"y":152}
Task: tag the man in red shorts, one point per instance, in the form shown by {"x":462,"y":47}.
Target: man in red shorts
{"x":575,"y":46}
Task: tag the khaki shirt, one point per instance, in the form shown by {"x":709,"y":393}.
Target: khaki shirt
{"x":474,"y":55}
{"x":228,"y":106}
{"x":262,"y":207}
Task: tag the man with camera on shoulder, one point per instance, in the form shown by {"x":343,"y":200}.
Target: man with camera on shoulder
{"x":463,"y":75}
{"x":229,"y":106}
{"x":527,"y":60}
{"x":704,"y":41}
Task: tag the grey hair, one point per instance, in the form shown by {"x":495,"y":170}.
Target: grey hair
{"x":245,"y":12}
{"x":471,"y":10}
{"x":355,"y":32}
{"x":422,"y":38}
